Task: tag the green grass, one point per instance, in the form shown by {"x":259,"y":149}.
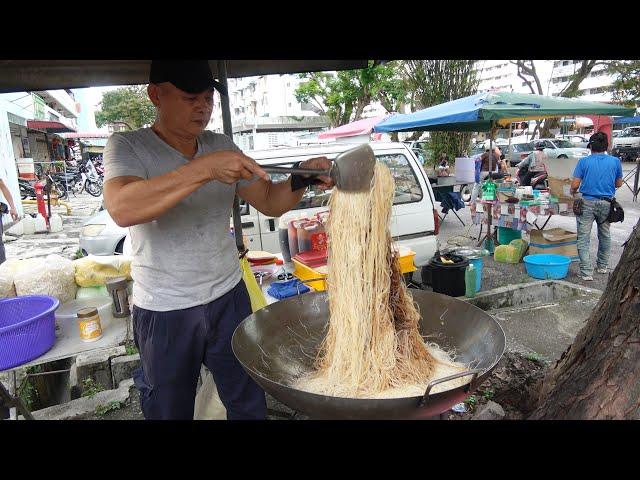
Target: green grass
{"x":90,"y":387}
{"x":488,"y":394}
{"x":131,"y":349}
{"x":534,"y":357}
{"x":102,"y":410}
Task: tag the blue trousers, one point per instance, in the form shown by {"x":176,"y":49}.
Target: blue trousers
{"x":173,"y":346}
{"x":598,"y":211}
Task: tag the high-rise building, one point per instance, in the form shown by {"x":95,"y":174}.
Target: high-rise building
{"x":596,"y":87}
{"x":265,"y":112}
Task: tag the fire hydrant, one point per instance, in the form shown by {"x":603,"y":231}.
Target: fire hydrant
{"x":42,"y":210}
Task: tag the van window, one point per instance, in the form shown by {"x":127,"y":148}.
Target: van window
{"x":407,"y":186}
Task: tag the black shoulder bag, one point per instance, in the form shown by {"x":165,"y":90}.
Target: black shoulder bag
{"x":616,"y":213}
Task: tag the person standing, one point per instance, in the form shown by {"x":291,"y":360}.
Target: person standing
{"x":173,"y":185}
{"x":596,"y":177}
{"x":11,"y":210}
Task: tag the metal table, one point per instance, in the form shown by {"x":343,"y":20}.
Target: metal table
{"x":68,"y":344}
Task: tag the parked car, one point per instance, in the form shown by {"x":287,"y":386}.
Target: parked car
{"x":100,"y":235}
{"x":626,"y":146}
{"x":577,"y":140}
{"x":519,"y":152}
{"x":559,"y":148}
{"x":414,"y":223}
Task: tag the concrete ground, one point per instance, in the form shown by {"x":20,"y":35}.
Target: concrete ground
{"x":64,"y":243}
{"x":500,"y":274}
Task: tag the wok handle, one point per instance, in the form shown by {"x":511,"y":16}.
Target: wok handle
{"x":474,"y":373}
{"x":295,"y":171}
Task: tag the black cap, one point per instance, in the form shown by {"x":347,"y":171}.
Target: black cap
{"x":599,"y":140}
{"x":191,"y":76}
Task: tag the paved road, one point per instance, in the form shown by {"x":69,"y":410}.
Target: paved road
{"x":499,"y":274}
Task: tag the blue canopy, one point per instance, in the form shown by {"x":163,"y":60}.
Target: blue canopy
{"x":482,"y":111}
{"x":620,"y":120}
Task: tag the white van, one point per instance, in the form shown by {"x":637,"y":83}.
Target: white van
{"x":414,"y":222}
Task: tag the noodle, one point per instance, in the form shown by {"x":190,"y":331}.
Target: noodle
{"x":373,"y":347}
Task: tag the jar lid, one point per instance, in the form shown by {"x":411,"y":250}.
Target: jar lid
{"x":87,"y":312}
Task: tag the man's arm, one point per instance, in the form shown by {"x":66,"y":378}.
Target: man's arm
{"x":133,"y":200}
{"x":577,"y":177}
{"x":275,"y":199}
{"x":575,"y":185}
{"x":7,"y":195}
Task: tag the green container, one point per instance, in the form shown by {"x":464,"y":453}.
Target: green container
{"x":506,"y":235}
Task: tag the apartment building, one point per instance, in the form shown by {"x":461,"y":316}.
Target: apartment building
{"x":596,"y":87}
{"x":266,"y":114}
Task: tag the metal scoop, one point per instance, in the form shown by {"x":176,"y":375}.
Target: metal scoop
{"x":351,"y":170}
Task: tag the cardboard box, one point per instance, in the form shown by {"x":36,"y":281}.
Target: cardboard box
{"x":559,"y":187}
{"x":557,"y":241}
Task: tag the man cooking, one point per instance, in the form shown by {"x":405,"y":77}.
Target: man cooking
{"x":173,"y":185}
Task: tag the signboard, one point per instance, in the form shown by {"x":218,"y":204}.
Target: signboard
{"x":38,"y":107}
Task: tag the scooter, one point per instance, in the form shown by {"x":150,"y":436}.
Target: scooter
{"x":537,"y":182}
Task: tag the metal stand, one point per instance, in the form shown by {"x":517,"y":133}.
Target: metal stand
{"x":489,"y":233}
{"x":635,"y":173}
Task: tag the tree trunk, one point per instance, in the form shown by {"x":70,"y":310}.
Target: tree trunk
{"x":598,"y":376}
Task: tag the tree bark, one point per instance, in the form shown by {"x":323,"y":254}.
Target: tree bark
{"x":598,"y":376}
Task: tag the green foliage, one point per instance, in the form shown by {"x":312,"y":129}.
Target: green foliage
{"x":343,"y":96}
{"x":78,"y":254}
{"x":27,"y":391}
{"x":90,"y":387}
{"x":626,"y":88}
{"x":128,"y":105}
{"x":432,"y":82}
{"x":472,"y":401}
{"x":131,"y":349}
{"x":102,"y":410}
{"x":488,"y":394}
{"x":534,"y":357}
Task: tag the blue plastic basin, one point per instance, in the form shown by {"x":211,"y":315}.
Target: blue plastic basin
{"x":547,"y":266}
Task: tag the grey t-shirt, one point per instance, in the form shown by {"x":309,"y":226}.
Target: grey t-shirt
{"x":187,"y":257}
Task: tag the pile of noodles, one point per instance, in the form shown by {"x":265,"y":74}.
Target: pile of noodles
{"x":373,"y":347}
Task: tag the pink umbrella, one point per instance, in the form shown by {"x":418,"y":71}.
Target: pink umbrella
{"x":361,"y":127}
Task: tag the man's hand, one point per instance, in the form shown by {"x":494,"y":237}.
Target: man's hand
{"x":229,"y":166}
{"x":320,"y":163}
{"x":13,"y":213}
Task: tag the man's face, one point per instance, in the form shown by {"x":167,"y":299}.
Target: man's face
{"x":185,"y":113}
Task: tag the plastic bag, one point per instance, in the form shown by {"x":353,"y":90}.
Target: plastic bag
{"x":506,"y":254}
{"x":7,"y":273}
{"x":92,"y":292}
{"x":521,"y":245}
{"x":29,"y":225}
{"x":95,"y":271}
{"x":17,"y":230}
{"x":52,"y":275}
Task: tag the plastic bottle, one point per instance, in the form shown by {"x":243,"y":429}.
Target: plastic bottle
{"x":40,"y":224}
{"x":56,"y":223}
{"x":470,"y":281}
{"x":29,"y":225}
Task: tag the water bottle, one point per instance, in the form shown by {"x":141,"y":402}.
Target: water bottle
{"x":470,"y":281}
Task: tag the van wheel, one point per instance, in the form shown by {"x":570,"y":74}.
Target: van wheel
{"x":562,"y":156}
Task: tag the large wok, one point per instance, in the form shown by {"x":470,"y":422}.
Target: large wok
{"x":279,"y":342}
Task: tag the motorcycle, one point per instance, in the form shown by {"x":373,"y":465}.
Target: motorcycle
{"x":538,"y":181}
{"x":84,"y":178}
{"x":52,"y":185}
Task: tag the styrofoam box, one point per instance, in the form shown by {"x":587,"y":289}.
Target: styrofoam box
{"x":465,"y":170}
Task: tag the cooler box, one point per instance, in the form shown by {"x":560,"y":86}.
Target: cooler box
{"x":306,"y":272}
{"x":465,"y":170}
{"x":26,"y":168}
{"x":555,"y":241}
{"x":559,"y":187}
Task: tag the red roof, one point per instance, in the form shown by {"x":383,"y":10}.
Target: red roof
{"x":47,"y":125}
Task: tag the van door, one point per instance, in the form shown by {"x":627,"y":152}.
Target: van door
{"x":250,"y":226}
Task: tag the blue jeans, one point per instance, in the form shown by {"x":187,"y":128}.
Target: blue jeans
{"x":173,"y":345}
{"x":597,"y":210}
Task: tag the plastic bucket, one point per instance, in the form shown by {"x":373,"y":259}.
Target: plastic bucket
{"x":547,"y":266}
{"x":448,"y":278}
{"x":505,"y":235}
